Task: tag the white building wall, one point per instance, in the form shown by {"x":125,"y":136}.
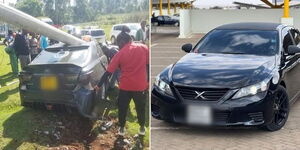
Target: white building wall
{"x":202,"y":21}
{"x":185,"y":23}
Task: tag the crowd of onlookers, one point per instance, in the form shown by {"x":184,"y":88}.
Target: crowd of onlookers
{"x":23,"y":46}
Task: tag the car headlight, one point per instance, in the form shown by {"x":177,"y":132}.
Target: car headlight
{"x":252,"y":89}
{"x":163,"y":86}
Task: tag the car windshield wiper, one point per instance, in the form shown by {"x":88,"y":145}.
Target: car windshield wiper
{"x":232,"y":53}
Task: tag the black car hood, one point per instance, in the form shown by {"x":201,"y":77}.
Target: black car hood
{"x":221,"y":70}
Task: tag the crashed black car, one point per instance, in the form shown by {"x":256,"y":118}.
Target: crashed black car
{"x":64,"y":76}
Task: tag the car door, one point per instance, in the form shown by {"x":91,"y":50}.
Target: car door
{"x":168,"y":20}
{"x":160,"y":20}
{"x":291,"y":67}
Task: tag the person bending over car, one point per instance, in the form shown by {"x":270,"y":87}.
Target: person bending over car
{"x":132,"y":60}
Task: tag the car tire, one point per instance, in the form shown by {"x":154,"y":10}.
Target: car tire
{"x":177,"y":24}
{"x":156,"y":116}
{"x":281,"y":110}
{"x":113,"y":40}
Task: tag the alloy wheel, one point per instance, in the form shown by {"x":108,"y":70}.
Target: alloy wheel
{"x":280,"y":108}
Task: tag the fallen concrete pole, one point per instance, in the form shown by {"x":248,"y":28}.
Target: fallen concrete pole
{"x":25,"y":21}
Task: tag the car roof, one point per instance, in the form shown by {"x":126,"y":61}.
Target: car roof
{"x":250,"y":26}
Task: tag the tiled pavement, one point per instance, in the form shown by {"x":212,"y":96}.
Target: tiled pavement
{"x":166,"y":49}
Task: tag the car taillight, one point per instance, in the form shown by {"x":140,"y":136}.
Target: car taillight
{"x":25,"y":77}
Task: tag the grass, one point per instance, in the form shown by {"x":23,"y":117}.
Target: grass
{"x":18,"y":125}
{"x":16,"y":121}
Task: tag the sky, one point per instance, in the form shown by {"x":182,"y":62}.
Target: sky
{"x":210,"y":3}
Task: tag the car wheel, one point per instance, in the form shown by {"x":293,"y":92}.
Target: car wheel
{"x":177,"y":24}
{"x":280,"y":109}
{"x":156,"y":115}
{"x":113,"y":40}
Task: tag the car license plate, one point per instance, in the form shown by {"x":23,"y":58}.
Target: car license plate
{"x":199,"y":115}
{"x":49,"y":83}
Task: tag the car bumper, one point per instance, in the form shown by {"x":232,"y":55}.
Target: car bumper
{"x":57,"y":97}
{"x":81,"y":100}
{"x":227,"y":113}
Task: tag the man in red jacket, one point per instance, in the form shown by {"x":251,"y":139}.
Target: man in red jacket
{"x":133,"y":61}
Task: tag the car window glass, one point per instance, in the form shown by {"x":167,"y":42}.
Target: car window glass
{"x":296,"y":37}
{"x":118,"y":27}
{"x":97,"y":33}
{"x":254,"y":42}
{"x":85,"y":32}
{"x":160,"y":18}
{"x":133,"y":27}
{"x":287,"y":40}
{"x":167,"y":17}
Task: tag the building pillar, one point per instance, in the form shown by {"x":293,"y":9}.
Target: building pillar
{"x":160,"y":7}
{"x":286,"y":19}
{"x":175,"y":5}
{"x":286,"y":9}
{"x":169,"y":5}
{"x":151,"y":7}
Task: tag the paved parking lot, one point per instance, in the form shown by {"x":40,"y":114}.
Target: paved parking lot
{"x":166,"y":49}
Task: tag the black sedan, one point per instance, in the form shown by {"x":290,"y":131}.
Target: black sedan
{"x":238,"y":74}
{"x":164,"y":20}
{"x":63,"y":77}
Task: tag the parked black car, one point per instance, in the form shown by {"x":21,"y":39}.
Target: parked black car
{"x":238,"y":74}
{"x":63,"y":76}
{"x":164,"y":20}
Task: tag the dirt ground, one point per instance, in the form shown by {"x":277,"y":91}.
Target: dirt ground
{"x":78,"y":133}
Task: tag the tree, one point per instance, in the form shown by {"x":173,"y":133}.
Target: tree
{"x":97,"y":6}
{"x":59,"y":11}
{"x":82,"y":11}
{"x":31,"y":7}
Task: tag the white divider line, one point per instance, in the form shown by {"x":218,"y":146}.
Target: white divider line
{"x":152,"y":45}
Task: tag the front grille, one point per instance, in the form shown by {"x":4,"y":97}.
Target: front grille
{"x":257,"y":116}
{"x":202,"y":94}
{"x":221,"y":117}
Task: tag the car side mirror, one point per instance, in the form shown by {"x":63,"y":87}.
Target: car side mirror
{"x":187,"y":47}
{"x":293,"y":49}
